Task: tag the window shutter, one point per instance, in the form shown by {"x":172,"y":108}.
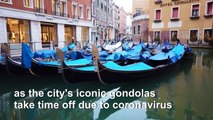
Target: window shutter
{"x":175,"y":13}
{"x":195,"y":7}
{"x":158,"y":14}
{"x":210,"y":8}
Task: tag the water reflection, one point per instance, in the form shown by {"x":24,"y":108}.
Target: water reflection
{"x":188,"y":87}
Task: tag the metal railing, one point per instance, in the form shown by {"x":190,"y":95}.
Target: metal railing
{"x":40,"y":10}
{"x":187,"y":36}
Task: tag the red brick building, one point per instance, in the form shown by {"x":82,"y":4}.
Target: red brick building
{"x":45,"y":21}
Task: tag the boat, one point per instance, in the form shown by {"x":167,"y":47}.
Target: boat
{"x":41,"y":67}
{"x":117,"y":47}
{"x":17,"y":65}
{"x":111,"y":72}
{"x":75,"y":74}
{"x":164,"y":57}
{"x":45,"y":62}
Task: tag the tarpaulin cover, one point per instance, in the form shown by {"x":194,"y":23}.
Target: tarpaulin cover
{"x":26,"y":56}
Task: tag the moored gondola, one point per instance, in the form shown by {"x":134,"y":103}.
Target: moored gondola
{"x":113,"y":73}
{"x":41,"y":67}
{"x":76,"y":74}
{"x":19,"y":65}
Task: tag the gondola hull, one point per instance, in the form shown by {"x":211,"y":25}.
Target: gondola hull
{"x":72,"y":75}
{"x":40,"y":69}
{"x":158,"y":62}
{"x":2,"y":67}
{"x":110,"y":77}
{"x":15,"y":67}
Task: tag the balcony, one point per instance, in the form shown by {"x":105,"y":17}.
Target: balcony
{"x":137,"y":14}
{"x":208,"y":16}
{"x":195,"y":17}
{"x":55,"y":13}
{"x":157,"y":21}
{"x":60,"y":14}
{"x":158,"y":1}
{"x":75,"y":17}
{"x":64,"y":15}
{"x":140,"y":17}
{"x":174,"y":19}
{"x":40,"y":10}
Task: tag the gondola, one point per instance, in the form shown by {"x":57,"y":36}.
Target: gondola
{"x":40,"y":67}
{"x":113,"y":48}
{"x":76,"y":74}
{"x":50,"y":67}
{"x":19,"y":65}
{"x":113,"y":73}
{"x":164,"y":57}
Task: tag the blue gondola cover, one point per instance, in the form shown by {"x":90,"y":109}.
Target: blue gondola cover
{"x":27,"y":55}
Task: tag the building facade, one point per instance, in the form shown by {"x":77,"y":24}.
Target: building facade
{"x":190,"y":21}
{"x":115,"y":19}
{"x":102,"y":20}
{"x":129,"y":25}
{"x":140,"y":21}
{"x":42,"y":22}
{"x":122,"y":23}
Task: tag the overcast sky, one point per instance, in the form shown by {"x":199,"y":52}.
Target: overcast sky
{"x":126,"y":4}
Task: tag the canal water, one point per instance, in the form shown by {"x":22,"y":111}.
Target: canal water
{"x":187,"y":88}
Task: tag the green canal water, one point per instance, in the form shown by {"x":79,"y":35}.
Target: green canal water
{"x":188,"y":88}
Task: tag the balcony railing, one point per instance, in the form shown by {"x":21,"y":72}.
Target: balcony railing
{"x":137,"y":14}
{"x":60,"y":14}
{"x":55,"y":13}
{"x":75,"y":17}
{"x":40,"y":10}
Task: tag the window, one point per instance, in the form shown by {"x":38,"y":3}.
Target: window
{"x":139,"y":29}
{"x":98,"y":3}
{"x":174,"y":35}
{"x":195,"y":10}
{"x":74,"y":11}
{"x":156,"y":35}
{"x":54,"y":7}
{"x":209,"y":9}
{"x":63,"y":9}
{"x":38,"y":7}
{"x":175,"y":12}
{"x":6,"y":1}
{"x":81,"y":11}
{"x":94,"y":22}
{"x":102,"y":6}
{"x":94,"y":10}
{"x":158,"y":14}
{"x":28,"y":3}
{"x":69,"y":33}
{"x":48,"y":34}
{"x":134,"y":30}
{"x":138,"y":11}
{"x":208,"y":35}
{"x":193,"y":35}
{"x":18,"y":30}
{"x":88,"y":13}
